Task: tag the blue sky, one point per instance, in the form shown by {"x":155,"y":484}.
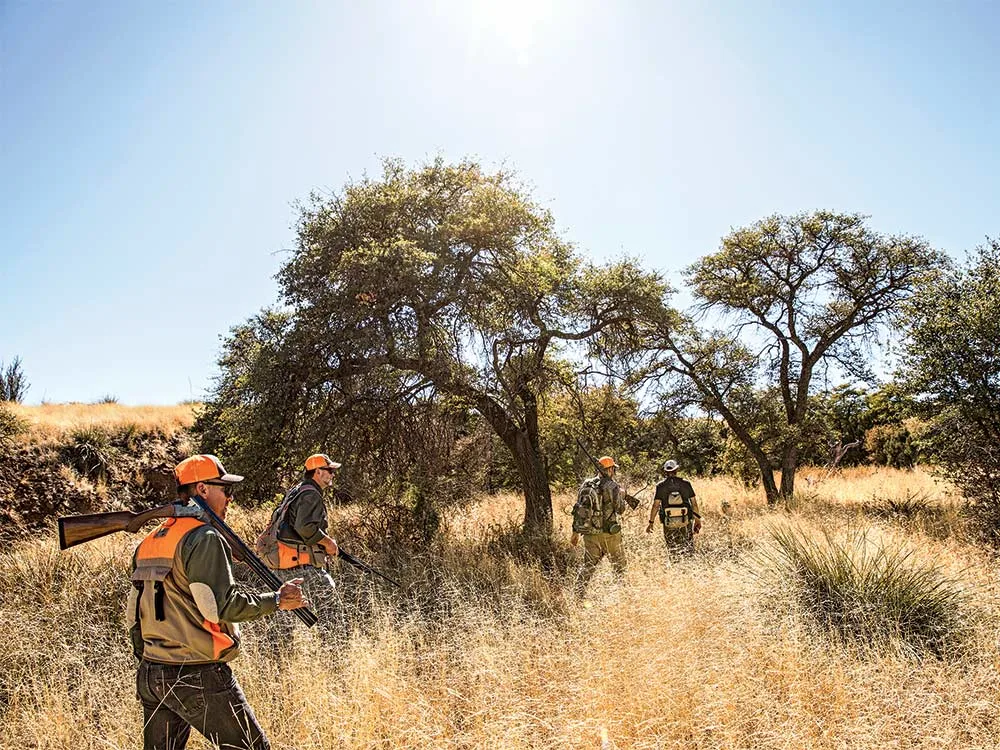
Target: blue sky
{"x":151,"y":152}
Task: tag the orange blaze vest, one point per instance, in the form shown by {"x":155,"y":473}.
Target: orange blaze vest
{"x":173,"y":628}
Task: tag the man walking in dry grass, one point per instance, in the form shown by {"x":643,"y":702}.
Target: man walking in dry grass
{"x":597,"y":517}
{"x":296,"y":543}
{"x":184,"y":609}
{"x":675,"y":504}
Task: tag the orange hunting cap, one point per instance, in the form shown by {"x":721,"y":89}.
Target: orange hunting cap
{"x":606,"y":461}
{"x":203,"y":468}
{"x":320,"y":461}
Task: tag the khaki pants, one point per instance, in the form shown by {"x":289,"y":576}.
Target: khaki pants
{"x":595,"y":547}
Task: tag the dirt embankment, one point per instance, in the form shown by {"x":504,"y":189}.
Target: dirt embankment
{"x":88,"y":466}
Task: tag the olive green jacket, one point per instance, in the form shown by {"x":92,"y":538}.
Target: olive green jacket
{"x":199,"y":594}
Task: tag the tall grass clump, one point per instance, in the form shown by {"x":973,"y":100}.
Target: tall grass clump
{"x":870,"y":593}
{"x":91,"y":453}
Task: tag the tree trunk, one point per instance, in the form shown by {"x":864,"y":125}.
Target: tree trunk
{"x":524,"y":447}
{"x":535,"y":482}
{"x":767,"y":478}
{"x":744,"y":436}
{"x":789,"y":462}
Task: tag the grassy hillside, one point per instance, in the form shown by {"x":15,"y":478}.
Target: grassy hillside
{"x":50,"y":423}
{"x":57,"y":459}
{"x":485,"y":650}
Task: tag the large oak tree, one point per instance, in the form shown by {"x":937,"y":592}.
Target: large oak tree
{"x":449,"y":278}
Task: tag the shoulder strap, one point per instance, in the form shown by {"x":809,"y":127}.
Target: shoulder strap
{"x":282,"y":510}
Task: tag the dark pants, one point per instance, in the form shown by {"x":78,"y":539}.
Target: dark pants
{"x":680,"y":541}
{"x":204,"y":696}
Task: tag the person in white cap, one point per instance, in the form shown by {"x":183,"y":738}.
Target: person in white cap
{"x":675,"y":504}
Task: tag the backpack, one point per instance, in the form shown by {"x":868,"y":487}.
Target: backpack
{"x":587,"y":510}
{"x":267,"y":544}
{"x":675,"y":511}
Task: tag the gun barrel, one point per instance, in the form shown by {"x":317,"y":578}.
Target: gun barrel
{"x":348,"y":557}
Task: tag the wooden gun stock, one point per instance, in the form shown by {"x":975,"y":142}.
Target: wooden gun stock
{"x":75,"y":530}
{"x":632,"y":501}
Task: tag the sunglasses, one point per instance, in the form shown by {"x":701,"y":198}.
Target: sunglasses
{"x":227,"y":489}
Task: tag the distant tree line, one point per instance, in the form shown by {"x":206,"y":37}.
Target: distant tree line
{"x":435,"y":330}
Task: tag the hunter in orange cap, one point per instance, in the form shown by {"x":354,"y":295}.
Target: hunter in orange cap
{"x":321,"y":461}
{"x":184,"y":609}
{"x":296,"y":543}
{"x":597,"y":517}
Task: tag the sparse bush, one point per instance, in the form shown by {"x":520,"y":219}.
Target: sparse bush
{"x":869,"y":593}
{"x":737,"y":462}
{"x":11,"y":426}
{"x":91,"y":453}
{"x":107,"y":398}
{"x":13,"y":383}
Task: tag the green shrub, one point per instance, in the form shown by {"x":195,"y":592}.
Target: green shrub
{"x":901,"y":445}
{"x":11,"y":426}
{"x":13,"y":384}
{"x":871,"y":594}
{"x":91,"y":453}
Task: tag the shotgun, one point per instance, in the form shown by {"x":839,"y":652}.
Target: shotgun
{"x":348,"y":557}
{"x":632,"y":501}
{"x":75,"y":530}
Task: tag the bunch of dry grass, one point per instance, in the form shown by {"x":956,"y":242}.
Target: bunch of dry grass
{"x":688,"y":655}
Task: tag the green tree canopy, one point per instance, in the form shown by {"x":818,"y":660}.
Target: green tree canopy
{"x":953,"y":368}
{"x":447,"y":279}
{"x":795,"y":294}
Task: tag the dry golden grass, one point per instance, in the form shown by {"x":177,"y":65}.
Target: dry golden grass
{"x":699,"y":654}
{"x":49,"y":422}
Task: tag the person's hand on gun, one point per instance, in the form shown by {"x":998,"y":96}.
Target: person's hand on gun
{"x":330,"y":546}
{"x":697,"y":525}
{"x":290,"y":595}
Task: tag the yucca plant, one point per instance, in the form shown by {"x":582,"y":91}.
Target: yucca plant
{"x":866,"y":592}
{"x":910,"y":505}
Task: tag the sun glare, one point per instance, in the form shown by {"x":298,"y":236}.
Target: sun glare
{"x":514,"y":28}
